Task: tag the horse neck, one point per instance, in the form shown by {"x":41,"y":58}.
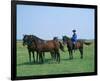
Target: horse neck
{"x":32,"y":45}
{"x":37,"y":39}
{"x":68,"y":41}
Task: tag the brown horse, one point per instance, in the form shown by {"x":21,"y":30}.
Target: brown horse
{"x":78,"y":45}
{"x":51,"y":46}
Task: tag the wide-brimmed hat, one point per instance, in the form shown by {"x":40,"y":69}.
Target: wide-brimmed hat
{"x":73,"y":30}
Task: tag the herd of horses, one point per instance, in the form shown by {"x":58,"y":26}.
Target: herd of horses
{"x":40,"y":46}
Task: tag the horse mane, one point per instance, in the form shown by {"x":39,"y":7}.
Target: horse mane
{"x":37,"y":38}
{"x":66,"y":37}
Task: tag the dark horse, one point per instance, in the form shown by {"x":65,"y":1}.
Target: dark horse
{"x":78,"y":45}
{"x":31,"y":48}
{"x":40,"y":46}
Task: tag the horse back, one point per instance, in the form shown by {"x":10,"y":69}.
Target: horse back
{"x":52,"y":43}
{"x":48,"y":45}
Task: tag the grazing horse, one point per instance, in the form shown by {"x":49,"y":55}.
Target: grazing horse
{"x":78,"y":45}
{"x":51,"y":46}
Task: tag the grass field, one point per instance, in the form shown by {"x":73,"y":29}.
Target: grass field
{"x":66,"y":66}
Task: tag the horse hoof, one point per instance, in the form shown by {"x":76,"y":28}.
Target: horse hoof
{"x":58,"y":62}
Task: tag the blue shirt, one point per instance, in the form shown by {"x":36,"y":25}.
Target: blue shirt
{"x":74,"y":38}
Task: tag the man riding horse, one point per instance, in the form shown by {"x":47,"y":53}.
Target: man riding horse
{"x":74,"y":38}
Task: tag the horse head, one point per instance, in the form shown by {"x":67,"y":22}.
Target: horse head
{"x":61,"y":46}
{"x":65,"y":39}
{"x":27,"y":40}
{"x":55,"y":38}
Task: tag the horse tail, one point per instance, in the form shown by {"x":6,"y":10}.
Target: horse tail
{"x":61,"y":46}
{"x":88,"y":43}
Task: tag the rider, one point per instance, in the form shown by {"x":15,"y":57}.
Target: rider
{"x":74,"y":38}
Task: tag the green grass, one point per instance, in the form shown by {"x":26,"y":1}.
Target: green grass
{"x":66,"y":66}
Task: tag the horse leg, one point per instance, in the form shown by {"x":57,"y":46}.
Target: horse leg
{"x":40,"y":57}
{"x":33,"y":56}
{"x":37,"y":57}
{"x":81,"y":52}
{"x":55,"y":56}
{"x":43,"y":56}
{"x":58,"y":57}
{"x":29,"y":55}
{"x":74,"y":50}
{"x":69,"y":54}
{"x":72,"y":54}
{"x":51,"y":55}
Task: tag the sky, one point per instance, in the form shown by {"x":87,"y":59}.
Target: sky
{"x":47,"y":22}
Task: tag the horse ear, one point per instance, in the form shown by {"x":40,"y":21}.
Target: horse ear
{"x":31,"y":36}
{"x":23,"y":35}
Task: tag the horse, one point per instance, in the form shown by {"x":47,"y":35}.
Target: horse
{"x":51,"y":46}
{"x":31,"y":48}
{"x":79,"y":45}
{"x":61,"y":47}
